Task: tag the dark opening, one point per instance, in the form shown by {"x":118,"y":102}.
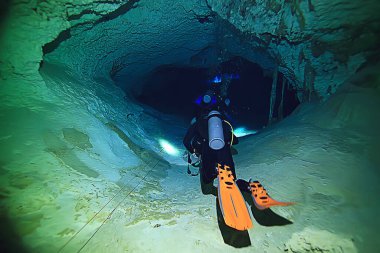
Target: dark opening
{"x":173,"y":90}
{"x":250,"y":94}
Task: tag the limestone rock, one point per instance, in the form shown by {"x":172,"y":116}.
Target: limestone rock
{"x":313,"y":240}
{"x":317,"y":44}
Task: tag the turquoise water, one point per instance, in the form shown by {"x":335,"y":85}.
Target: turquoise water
{"x":81,"y":165}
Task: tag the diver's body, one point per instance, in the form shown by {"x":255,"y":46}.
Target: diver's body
{"x":196,"y":142}
{"x":210,"y":138}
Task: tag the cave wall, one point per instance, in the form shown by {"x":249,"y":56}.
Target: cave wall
{"x":26,"y":27}
{"x":29,"y":25}
{"x":316,"y":44}
{"x":68,"y":137}
{"x":76,"y":78}
{"x":131,"y":45}
{"x":66,"y":140}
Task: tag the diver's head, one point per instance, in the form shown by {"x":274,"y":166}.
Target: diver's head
{"x":206,"y":98}
{"x":212,"y":100}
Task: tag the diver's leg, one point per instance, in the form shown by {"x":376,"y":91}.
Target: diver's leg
{"x":243,"y":185}
{"x":208,"y":188}
{"x":207,"y":176}
{"x":224,"y":157}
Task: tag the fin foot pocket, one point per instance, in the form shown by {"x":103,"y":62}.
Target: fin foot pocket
{"x":262,"y":199}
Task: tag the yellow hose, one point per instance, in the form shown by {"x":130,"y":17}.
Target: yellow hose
{"x":232,"y":131}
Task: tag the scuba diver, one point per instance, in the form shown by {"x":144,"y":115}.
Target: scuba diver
{"x":208,"y":142}
{"x":211,"y":143}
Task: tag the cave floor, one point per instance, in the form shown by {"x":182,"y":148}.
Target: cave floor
{"x":79,"y":174}
{"x":151,"y":211}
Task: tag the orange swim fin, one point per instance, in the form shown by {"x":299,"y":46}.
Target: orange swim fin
{"x":261,"y":198}
{"x":231,"y":201}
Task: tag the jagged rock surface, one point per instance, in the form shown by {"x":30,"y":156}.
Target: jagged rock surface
{"x":129,"y":46}
{"x":316,"y":44}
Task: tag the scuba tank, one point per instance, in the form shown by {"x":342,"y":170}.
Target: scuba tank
{"x":215,"y":131}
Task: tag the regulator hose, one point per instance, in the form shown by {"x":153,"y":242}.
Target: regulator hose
{"x":232,"y":132}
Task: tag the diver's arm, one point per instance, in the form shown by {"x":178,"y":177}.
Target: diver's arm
{"x":188,"y":137}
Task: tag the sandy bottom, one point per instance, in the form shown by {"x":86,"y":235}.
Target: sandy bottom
{"x":95,"y":189}
{"x":328,"y":174}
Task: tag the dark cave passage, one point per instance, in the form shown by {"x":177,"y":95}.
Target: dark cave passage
{"x":174,"y":90}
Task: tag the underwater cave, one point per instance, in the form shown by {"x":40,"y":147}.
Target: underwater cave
{"x":173,"y":90}
{"x":96,"y":98}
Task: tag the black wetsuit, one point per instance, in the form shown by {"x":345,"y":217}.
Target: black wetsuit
{"x":196,"y":141}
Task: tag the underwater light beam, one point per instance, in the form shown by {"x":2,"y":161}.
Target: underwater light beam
{"x":242,"y":131}
{"x":168,"y":148}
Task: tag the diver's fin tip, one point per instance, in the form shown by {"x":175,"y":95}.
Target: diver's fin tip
{"x":261,"y":198}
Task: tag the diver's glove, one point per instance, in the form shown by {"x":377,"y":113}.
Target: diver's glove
{"x":195,"y":159}
{"x":192,"y":158}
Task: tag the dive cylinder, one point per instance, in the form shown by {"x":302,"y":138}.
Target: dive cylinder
{"x":215,"y":131}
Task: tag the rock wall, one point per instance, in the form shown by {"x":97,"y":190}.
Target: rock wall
{"x":25,"y":28}
{"x":316,"y":44}
{"x":29,"y":25}
{"x":67,"y":142}
{"x":128,"y":46}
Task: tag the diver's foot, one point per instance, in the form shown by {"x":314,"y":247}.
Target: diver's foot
{"x":261,"y":198}
{"x":243,"y":185}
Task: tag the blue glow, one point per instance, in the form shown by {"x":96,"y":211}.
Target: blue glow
{"x":213,"y":100}
{"x":242,"y":131}
{"x":198,"y":101}
{"x":168,"y":148}
{"x":217,"y":79}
